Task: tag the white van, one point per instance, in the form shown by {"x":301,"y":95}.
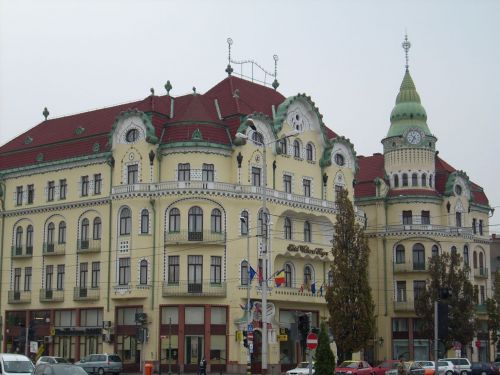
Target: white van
{"x":18,"y":364}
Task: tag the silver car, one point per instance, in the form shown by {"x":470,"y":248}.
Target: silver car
{"x":101,"y":364}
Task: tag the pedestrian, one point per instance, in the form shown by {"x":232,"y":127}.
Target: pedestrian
{"x":401,"y":367}
{"x":203,"y":366}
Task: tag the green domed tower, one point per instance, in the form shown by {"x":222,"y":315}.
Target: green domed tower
{"x":409,"y":148}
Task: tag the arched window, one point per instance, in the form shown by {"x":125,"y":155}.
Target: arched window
{"x":424,"y":179}
{"x":307,"y":232}
{"x":414,"y":179}
{"x":50,"y":234}
{"x":430,"y":180}
{"x":287,"y":227}
{"x":244,"y":273}
{"x":481,"y":261}
{"x":396,"y":180}
{"x":435,"y":251}
{"x":195,"y":224}
{"x":263,"y":220}
{"x":308,"y":275}
{"x":453,"y":252}
{"x":19,"y":238}
{"x":29,"y":239}
{"x":296,"y":149}
{"x":466,"y":255}
{"x":85,"y":230}
{"x":61,"y":235}
{"x":244,"y":223}
{"x":144,"y":221}
{"x":125,"y":221}
{"x":474,"y":260}
{"x":405,"y":179}
{"x":257,"y":138}
{"x":418,"y":257}
{"x":174,"y":220}
{"x":288,"y":276}
{"x":400,"y":254}
{"x":143,"y":277}
{"x":283,"y":144}
{"x":309,"y":152}
{"x":97,"y":229}
{"x":216,"y":221}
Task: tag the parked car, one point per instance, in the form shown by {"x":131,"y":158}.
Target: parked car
{"x":385,"y":366}
{"x":412,"y":368}
{"x":446,"y":368}
{"x":301,"y":369}
{"x":58,"y":369}
{"x":354,"y":368}
{"x":483,"y":368}
{"x":15,"y":364}
{"x":462,"y":365}
{"x":101,"y":364}
{"x":428,"y":366}
{"x":51,"y":359}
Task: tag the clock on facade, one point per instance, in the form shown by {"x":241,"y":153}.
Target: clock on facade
{"x":414,"y":137}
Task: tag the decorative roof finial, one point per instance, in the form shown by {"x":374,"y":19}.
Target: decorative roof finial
{"x":152,"y":91}
{"x":194,"y":90}
{"x":168,"y":87}
{"x":406,"y":46}
{"x":275,"y":82}
{"x":46,"y":113}
{"x":229,"y":68}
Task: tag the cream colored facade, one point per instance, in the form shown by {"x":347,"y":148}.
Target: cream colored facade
{"x":137,"y":231}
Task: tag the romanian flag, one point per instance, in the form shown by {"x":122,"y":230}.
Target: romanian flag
{"x":280,"y":278}
{"x":252,"y":274}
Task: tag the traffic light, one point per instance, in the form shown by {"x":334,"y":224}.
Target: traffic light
{"x":245,"y":339}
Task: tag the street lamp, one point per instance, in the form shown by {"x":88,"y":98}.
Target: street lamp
{"x":249,"y":357}
{"x":265,"y":236}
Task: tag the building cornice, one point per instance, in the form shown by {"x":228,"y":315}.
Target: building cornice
{"x":57,"y":207}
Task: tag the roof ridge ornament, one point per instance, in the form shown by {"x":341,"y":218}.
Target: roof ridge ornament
{"x":229,"y":68}
{"x":406,"y":46}
{"x":168,"y":87}
{"x":45,"y":113}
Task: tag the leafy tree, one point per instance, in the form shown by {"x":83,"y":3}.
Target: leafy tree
{"x":446,"y":271}
{"x":349,"y":298}
{"x":493,"y":311}
{"x":325,"y":360}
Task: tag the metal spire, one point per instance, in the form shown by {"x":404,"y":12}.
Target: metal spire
{"x":275,"y":83}
{"x":406,"y":46}
{"x":229,"y":68}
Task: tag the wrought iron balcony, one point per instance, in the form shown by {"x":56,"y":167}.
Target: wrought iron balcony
{"x":89,"y":246}
{"x":54,"y":248}
{"x":410,"y":267}
{"x":19,"y":296}
{"x":206,"y":236}
{"x":51,"y":295}
{"x":407,"y":305}
{"x":300,"y":291}
{"x":86,"y":294}
{"x":22,"y":251}
{"x":481,"y":272}
{"x":201,"y":289}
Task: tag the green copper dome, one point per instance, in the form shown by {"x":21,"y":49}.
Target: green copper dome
{"x":408,"y":112}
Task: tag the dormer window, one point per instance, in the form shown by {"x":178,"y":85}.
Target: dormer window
{"x":458,"y":190}
{"x":132,"y":135}
{"x":339,"y":160}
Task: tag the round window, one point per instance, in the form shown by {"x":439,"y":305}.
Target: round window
{"x":339,"y":159}
{"x":132,"y":135}
{"x":458,"y":189}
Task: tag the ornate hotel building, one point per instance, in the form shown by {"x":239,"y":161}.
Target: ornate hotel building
{"x":130,"y":229}
{"x":417,"y":206}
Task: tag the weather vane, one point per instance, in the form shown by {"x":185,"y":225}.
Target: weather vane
{"x":406,"y":46}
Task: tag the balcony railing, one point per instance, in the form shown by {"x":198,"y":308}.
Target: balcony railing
{"x":22,"y":251}
{"x":445,"y":230}
{"x":89,"y":246}
{"x":299,"y":291}
{"x":51,"y":295}
{"x":86,"y":294}
{"x":407,"y":305}
{"x":54,"y":248}
{"x":19,"y":296}
{"x":185,"y":236}
{"x":202,"y":289}
{"x":129,"y":291}
{"x":410,"y":267}
{"x":481,"y":272}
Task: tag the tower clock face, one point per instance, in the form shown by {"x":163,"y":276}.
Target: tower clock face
{"x":414,"y":137}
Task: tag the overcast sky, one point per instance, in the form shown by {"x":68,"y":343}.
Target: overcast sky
{"x":72,"y":56}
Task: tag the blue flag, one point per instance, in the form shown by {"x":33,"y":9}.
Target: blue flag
{"x":313,"y":288}
{"x":252,"y":274}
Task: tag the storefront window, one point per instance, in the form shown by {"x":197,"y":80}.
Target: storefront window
{"x":287,"y":348}
{"x":421,"y":350}
{"x":91,"y":318}
{"x":195,"y":314}
{"x":171,"y":342}
{"x":194,"y":349}
{"x":218,"y":349}
{"x":64,"y":346}
{"x":126,"y":348}
{"x":169,"y":315}
{"x":218,"y":315}
{"x":90,"y":345}
{"x":400,"y":349}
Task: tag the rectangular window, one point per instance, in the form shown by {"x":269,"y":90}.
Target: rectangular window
{"x":60,"y":277}
{"x":173,"y":269}
{"x":307,"y":187}
{"x":85,"y":185}
{"x":31,"y":193}
{"x":96,"y":270}
{"x":84,"y":269}
{"x":255,"y":176}
{"x":195,"y":273}
{"x":63,"y":187}
{"x":482,"y":295}
{"x":287,"y":183}
{"x":51,"y":187}
{"x":97,"y":183}
{"x":474,"y":226}
{"x":208,"y":172}
{"x":407,"y":218}
{"x":132,"y":174}
{"x":17,"y":279}
{"x":400,"y":254}
{"x":184,"y":172}
{"x":19,"y":195}
{"x":426,"y":217}
{"x":124,"y":271}
{"x":215,"y":270}
{"x":338,"y":190}
{"x":49,"y":271}
{"x":401,"y":291}
{"x":418,"y":288}
{"x":458,"y":219}
{"x":27,"y":278}
{"x":399,"y":325}
{"x":480,"y":227}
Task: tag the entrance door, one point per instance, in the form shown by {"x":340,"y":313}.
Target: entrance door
{"x":257,"y":353}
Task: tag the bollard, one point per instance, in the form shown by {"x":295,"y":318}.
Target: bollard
{"x":148,"y":369}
